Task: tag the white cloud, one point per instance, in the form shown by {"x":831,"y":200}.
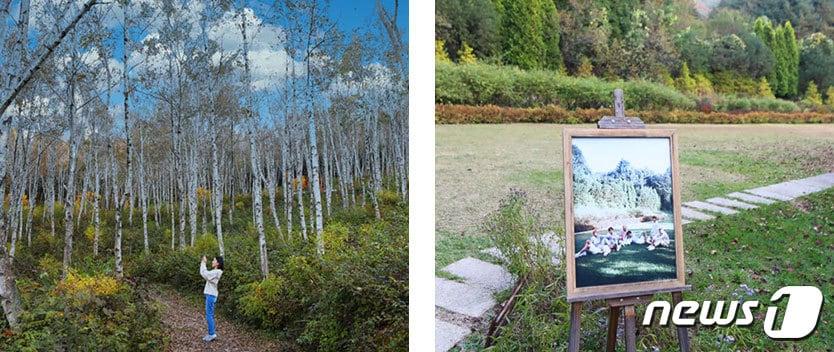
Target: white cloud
{"x":267,"y":57}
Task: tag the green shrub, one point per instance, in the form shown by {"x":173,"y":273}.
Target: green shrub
{"x":85,"y":313}
{"x":732,"y":103}
{"x":479,"y":84}
{"x":539,"y":317}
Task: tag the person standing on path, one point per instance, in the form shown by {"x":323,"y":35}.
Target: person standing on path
{"x":212,"y":277}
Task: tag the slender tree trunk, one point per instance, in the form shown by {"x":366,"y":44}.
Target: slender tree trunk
{"x":70,"y":193}
{"x":96,"y":207}
{"x":216,"y":188}
{"x":118,"y":201}
{"x":142,"y":193}
{"x":315,"y":185}
{"x":253,"y":156}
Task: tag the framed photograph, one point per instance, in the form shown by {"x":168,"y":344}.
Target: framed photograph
{"x":622,"y":213}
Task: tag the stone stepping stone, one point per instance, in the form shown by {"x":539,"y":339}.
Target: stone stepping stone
{"x":811,"y":184}
{"x":469,"y":300}
{"x":710,"y":207}
{"x":792,"y":189}
{"x":480,"y":273}
{"x":694,"y":214}
{"x":447,"y":335}
{"x":763,"y":192}
{"x":724,"y":202}
{"x":824,"y":180}
{"x":751,"y":198}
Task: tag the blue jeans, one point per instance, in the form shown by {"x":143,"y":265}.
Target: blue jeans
{"x":210,"y":300}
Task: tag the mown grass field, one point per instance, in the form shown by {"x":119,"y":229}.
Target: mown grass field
{"x":476,"y":165}
{"x":765,"y":249}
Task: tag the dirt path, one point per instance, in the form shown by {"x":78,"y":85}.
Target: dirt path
{"x":186,"y":323}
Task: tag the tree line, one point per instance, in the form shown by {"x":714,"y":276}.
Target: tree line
{"x":143,"y":108}
{"x":754,"y":48}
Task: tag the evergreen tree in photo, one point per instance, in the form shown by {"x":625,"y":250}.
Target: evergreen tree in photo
{"x":550,"y":33}
{"x":685,"y":83}
{"x":466,"y":55}
{"x":792,"y":60}
{"x":763,"y":28}
{"x":764,"y":89}
{"x":816,"y":60}
{"x":475,"y":22}
{"x":522,"y":39}
{"x":812,"y":95}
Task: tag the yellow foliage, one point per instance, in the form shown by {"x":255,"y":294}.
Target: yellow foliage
{"x":203,"y":193}
{"x":466,"y":55}
{"x":440,"y":51}
{"x":90,"y":233}
{"x":703,"y":86}
{"x":98,"y":285}
{"x":764,"y":89}
{"x":812,"y":95}
{"x":586,"y":69}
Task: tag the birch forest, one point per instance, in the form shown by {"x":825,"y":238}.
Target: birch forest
{"x":139,"y":135}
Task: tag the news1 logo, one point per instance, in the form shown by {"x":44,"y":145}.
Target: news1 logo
{"x":799,"y":318}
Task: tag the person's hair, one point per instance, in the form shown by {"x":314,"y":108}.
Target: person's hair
{"x":628,"y":232}
{"x":219,"y":259}
{"x":610,"y":229}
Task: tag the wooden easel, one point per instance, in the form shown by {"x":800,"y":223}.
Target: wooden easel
{"x":618,"y":304}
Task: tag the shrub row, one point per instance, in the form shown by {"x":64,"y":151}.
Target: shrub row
{"x":732,"y":103}
{"x":479,"y":84}
{"x":464,"y":114}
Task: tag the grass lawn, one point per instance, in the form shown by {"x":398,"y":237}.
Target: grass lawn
{"x":476,"y":165}
{"x":784,"y":244}
{"x":632,"y":263}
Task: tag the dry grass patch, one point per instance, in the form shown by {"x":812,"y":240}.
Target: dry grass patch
{"x":476,"y":165}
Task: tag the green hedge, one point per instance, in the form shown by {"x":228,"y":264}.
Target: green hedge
{"x":462,"y":114}
{"x":732,"y":103}
{"x":480,"y":84}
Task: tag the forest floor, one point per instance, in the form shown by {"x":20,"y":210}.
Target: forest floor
{"x":186,"y":322}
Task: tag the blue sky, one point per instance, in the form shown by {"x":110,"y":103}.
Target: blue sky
{"x":351,"y":15}
{"x":603,"y":154}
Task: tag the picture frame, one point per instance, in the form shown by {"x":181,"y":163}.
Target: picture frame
{"x":588,"y":289}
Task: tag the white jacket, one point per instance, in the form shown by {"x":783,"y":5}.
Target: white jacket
{"x":212,"y":278}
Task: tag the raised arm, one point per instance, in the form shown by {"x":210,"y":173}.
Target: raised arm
{"x":203,"y":271}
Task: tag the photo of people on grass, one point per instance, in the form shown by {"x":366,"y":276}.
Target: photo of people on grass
{"x":623,"y":211}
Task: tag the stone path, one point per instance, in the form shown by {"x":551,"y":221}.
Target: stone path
{"x":461,"y":306}
{"x":752,"y":198}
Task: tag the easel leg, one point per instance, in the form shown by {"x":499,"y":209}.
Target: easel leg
{"x":630,"y":329}
{"x":683,"y":334}
{"x":573,"y":339}
{"x":613,"y":322}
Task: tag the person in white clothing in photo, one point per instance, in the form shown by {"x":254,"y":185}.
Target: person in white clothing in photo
{"x":212,"y":277}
